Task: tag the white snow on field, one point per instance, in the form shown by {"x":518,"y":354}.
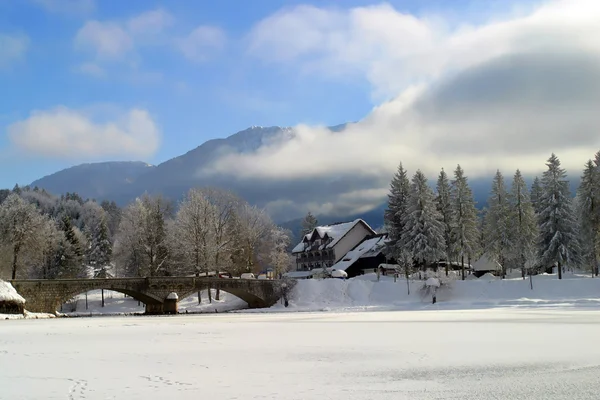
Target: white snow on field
{"x":420,"y":355}
{"x":27,"y":315}
{"x":366,"y":293}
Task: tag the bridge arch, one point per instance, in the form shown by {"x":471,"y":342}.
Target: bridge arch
{"x":145,"y":298}
{"x":253,"y":300}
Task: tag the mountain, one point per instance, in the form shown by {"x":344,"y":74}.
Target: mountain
{"x":287,"y":200}
{"x":96,"y":180}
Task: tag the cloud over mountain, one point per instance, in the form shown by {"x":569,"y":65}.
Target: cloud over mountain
{"x":504,"y":94}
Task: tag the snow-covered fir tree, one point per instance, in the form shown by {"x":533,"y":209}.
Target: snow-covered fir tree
{"x":69,"y":257}
{"x":558,"y":231}
{"x":497,"y":223}
{"x":396,"y":210}
{"x":465,"y":232}
{"x":523,"y":224}
{"x":588,"y":214}
{"x":309,"y":223}
{"x":536,"y":194}
{"x":101,"y":246}
{"x":423,"y":234}
{"x":444,"y":206}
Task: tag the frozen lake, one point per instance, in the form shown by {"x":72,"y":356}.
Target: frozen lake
{"x":479,"y":354}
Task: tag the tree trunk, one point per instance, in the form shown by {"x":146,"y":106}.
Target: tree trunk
{"x":199,"y":298}
{"x":218,"y":295}
{"x":14,"y":261}
{"x":559,"y":270}
{"x":462,"y":261}
{"x":209,"y":294}
{"x":531,"y":279}
{"x":102,"y":297}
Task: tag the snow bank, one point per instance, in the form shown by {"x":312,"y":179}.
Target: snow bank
{"x":9,"y":294}
{"x":27,"y":315}
{"x":362,"y":294}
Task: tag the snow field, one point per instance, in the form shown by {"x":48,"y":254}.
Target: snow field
{"x":365,"y":292}
{"x":474,"y":354}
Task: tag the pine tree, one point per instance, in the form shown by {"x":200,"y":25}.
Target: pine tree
{"x":558,"y":233}
{"x":69,"y":257}
{"x":523,"y":226}
{"x":396,"y":211}
{"x":101,"y":247}
{"x":423,"y":235}
{"x":465,"y":234}
{"x":588,"y":206}
{"x":497,"y":223}
{"x":444,"y":207}
{"x":309,"y":223}
{"x":536,"y":194}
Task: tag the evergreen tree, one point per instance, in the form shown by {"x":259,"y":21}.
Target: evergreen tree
{"x":536,"y":194}
{"x":497,"y":223}
{"x":444,"y":207}
{"x":588,"y":207}
{"x":465,"y":234}
{"x":523,"y":226}
{"x":69,"y":256}
{"x":423,"y":235}
{"x":558,"y":233}
{"x":396,"y":211}
{"x":309,"y":223}
{"x":101,"y":247}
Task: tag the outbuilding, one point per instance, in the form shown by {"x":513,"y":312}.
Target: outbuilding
{"x":11,"y":302}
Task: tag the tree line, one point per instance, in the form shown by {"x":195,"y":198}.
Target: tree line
{"x":529,"y":229}
{"x":45,"y":236}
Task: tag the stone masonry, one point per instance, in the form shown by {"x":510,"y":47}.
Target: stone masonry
{"x":46,"y":295}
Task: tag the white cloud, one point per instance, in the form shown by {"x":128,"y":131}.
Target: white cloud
{"x":117,"y":40}
{"x":91,"y":69}
{"x":12,"y":48}
{"x":108,"y":40}
{"x":202,"y":42}
{"x":68,"y":7}
{"x":66,"y":133}
{"x":392,"y":49}
{"x":504,"y":94}
{"x":150,"y":22}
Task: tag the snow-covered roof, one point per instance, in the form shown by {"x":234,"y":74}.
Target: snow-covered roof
{"x":333,"y":231}
{"x":368,"y":248}
{"x":9,"y":294}
{"x":298,"y":274}
{"x":486,"y":264}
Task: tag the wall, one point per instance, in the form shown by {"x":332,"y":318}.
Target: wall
{"x":348,"y":242}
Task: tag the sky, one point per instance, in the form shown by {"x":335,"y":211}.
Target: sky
{"x":487,"y":84}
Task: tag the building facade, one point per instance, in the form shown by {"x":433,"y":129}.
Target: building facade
{"x":326,"y":245}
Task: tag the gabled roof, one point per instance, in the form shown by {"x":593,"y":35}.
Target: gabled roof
{"x":485,"y":263}
{"x":334,"y":231}
{"x":370,"y":247}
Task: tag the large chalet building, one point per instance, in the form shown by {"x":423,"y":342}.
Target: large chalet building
{"x":326,"y":245}
{"x":353,"y":247}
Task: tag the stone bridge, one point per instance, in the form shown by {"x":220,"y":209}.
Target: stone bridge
{"x":47,"y":295}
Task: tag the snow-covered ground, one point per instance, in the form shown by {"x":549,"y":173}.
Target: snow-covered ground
{"x":365,"y":293}
{"x":477,"y":354}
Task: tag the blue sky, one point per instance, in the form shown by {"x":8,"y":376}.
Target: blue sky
{"x":91,"y":80}
{"x":217,"y":92}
